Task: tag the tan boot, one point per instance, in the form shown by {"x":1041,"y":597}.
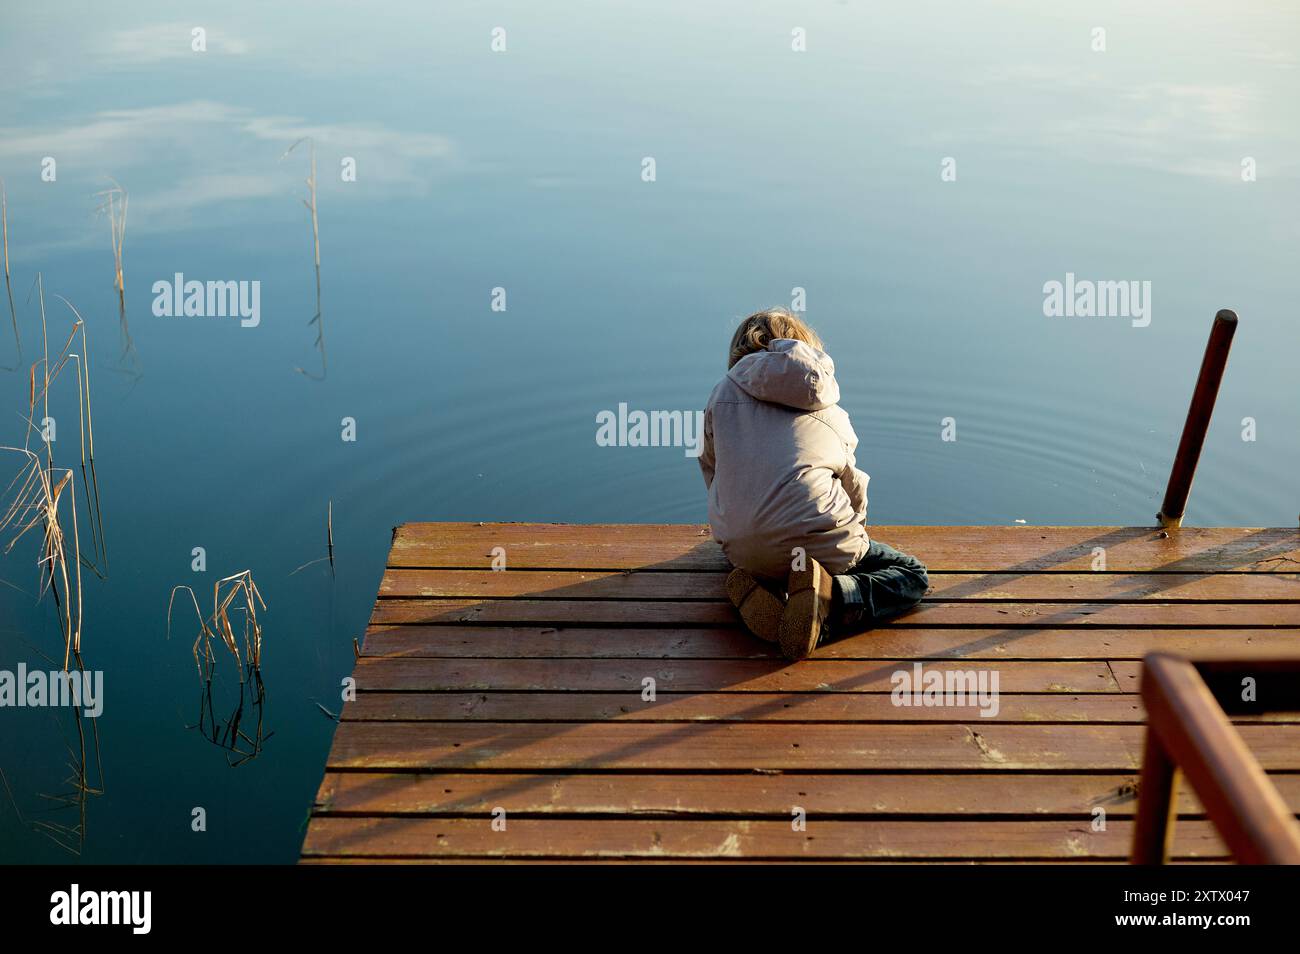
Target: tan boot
{"x":760,"y":609}
{"x":806,"y":609}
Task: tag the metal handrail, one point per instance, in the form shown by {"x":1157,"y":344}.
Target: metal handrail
{"x":1188,"y":733}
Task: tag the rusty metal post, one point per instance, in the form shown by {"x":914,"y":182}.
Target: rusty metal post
{"x":1198,"y":419}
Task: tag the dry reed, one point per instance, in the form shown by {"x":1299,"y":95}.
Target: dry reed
{"x":38,"y":489}
{"x":329,"y":544}
{"x":114,"y":204}
{"x":218,"y":625}
{"x":9,"y":289}
{"x":316,"y":320}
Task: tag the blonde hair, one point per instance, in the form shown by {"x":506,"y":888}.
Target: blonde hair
{"x":763,"y":327}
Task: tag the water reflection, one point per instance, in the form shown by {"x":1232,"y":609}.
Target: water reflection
{"x":242,"y":733}
{"x":61,"y":815}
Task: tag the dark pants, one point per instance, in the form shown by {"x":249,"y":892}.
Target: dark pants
{"x":880,"y":585}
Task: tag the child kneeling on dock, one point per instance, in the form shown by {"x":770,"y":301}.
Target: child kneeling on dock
{"x":786,"y":501}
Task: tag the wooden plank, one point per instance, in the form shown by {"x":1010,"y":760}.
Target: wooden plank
{"x":730,"y":747}
{"x":554,"y":584}
{"x":970,"y":549}
{"x":503,"y":746}
{"x":860,"y":707}
{"x":806,"y":862}
{"x":1128,"y":674}
{"x":1111,"y":587}
{"x":607,"y":612}
{"x":749,"y":796}
{"x":857,"y":707}
{"x":708,"y":675}
{"x":887,"y":642}
{"x":1063,"y":840}
{"x":709,"y":585}
{"x":1147,"y":615}
{"x":663,"y":613}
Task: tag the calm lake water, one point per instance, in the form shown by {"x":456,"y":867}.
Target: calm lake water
{"x":774,"y":170}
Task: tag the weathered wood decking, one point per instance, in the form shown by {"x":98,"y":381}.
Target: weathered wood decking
{"x":522,"y":691}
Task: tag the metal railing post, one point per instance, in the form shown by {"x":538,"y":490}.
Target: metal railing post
{"x":1198,"y":419}
{"x":1153,"y":823}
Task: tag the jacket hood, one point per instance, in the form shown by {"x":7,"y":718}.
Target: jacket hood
{"x":791,"y":373}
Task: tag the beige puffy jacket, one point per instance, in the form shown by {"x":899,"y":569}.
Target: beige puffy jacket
{"x":778,"y":463}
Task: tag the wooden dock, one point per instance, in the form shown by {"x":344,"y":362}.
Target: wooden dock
{"x":507,"y":715}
